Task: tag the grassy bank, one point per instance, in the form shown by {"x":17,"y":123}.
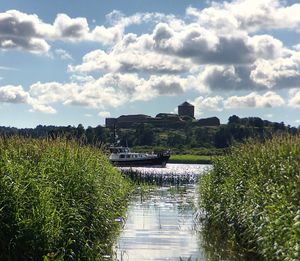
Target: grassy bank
{"x":58,"y":201}
{"x":191,"y":159}
{"x":253,"y":195}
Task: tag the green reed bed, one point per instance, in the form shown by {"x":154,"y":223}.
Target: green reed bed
{"x":58,"y":201}
{"x":253,"y":195}
{"x":158,"y":177}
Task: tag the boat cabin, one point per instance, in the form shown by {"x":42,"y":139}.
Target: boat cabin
{"x":121,"y":156}
{"x":123,"y":153}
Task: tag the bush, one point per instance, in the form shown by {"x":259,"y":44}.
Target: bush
{"x":57,"y":200}
{"x":255,"y":191}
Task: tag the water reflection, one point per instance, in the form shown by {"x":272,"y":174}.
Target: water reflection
{"x":161,"y":226}
{"x":165,"y":225}
{"x":173,"y":174}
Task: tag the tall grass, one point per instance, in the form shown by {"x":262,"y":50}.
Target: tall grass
{"x":253,"y":194}
{"x":57,"y":200}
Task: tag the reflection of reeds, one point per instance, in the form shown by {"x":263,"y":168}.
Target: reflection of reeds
{"x":156,"y":177}
{"x":189,"y":259}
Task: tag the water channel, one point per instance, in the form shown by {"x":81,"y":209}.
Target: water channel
{"x":161,"y":224}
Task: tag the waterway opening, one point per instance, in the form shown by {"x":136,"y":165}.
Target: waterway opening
{"x":165,"y":223}
{"x":161,"y":224}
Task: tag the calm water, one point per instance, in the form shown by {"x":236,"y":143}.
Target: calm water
{"x":160,"y":225}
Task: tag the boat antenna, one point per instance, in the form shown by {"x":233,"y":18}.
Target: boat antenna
{"x":116,"y":140}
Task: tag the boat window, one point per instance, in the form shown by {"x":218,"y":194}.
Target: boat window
{"x":122,"y":156}
{"x":127,"y":156}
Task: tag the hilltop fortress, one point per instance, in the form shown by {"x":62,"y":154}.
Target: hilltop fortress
{"x":163,"y":120}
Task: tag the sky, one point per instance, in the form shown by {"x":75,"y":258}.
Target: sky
{"x":67,"y":62}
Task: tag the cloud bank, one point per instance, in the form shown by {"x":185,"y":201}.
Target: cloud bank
{"x":223,"y":49}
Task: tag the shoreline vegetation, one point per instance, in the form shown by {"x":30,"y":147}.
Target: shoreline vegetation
{"x":191,"y":159}
{"x":186,"y":156}
{"x":252,"y":196}
{"x":58,"y":200}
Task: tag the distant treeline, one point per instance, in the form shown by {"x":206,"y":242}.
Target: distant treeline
{"x":237,"y":130}
{"x":94,"y":136}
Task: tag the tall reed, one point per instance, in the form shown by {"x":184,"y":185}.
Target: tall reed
{"x":253,"y":195}
{"x":58,"y":200}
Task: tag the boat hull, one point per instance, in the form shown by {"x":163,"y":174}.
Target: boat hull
{"x":158,"y":161}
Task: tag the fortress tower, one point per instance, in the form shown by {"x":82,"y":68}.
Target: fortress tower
{"x":186,"y":109}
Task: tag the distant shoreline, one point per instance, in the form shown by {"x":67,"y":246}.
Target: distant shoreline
{"x":190,"y":159}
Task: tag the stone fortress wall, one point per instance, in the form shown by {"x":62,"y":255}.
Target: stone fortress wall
{"x":163,"y":120}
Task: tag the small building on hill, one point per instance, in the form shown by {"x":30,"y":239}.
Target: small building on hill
{"x":186,"y":109}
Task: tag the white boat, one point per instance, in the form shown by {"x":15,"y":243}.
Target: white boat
{"x":121,"y":156}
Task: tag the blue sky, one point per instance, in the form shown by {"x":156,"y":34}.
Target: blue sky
{"x":67,"y":62}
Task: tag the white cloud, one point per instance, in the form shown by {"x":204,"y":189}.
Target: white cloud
{"x":294,"y":100}
{"x":167,"y":85}
{"x":269,"y":115}
{"x":296,"y":47}
{"x":280,"y":73}
{"x":214,"y":52}
{"x":132,"y":54}
{"x":63,"y":54}
{"x":96,"y":60}
{"x":108,"y":35}
{"x":104,"y":114}
{"x":28,"y":32}
{"x":16,"y":94}
{"x":109,"y":90}
{"x":207,"y":103}
{"x":52,"y":92}
{"x":283,"y":72}
{"x":255,"y":100}
{"x":13,"y":94}
{"x":206,"y":46}
{"x":36,"y":106}
{"x":181,"y":49}
{"x":202,"y":45}
{"x":249,"y":15}
{"x":72,"y":29}
{"x":221,"y":77}
{"x":115,"y":33}
{"x":22,"y":31}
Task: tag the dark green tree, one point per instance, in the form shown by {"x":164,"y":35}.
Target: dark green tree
{"x":234,"y":120}
{"x":145,"y":134}
{"x":223,"y":137}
